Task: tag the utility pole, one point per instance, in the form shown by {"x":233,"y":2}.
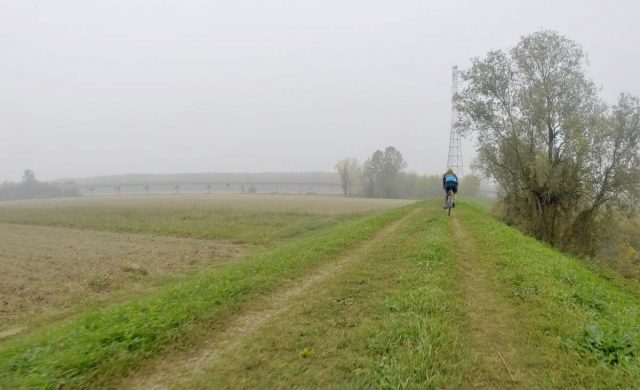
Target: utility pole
{"x":454,"y":161}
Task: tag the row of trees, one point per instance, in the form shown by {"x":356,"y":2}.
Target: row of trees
{"x":568,"y":163}
{"x":382,"y":176}
{"x":31,"y":188}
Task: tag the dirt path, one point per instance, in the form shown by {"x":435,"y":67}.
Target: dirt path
{"x":502,"y":356}
{"x":169,"y":371}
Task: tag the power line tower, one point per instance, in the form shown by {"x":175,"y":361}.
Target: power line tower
{"x":454,"y":160}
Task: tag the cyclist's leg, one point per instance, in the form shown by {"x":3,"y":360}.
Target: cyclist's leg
{"x":454,"y":195}
{"x":446,"y":194}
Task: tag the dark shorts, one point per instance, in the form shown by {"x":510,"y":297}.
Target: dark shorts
{"x":451,"y":186}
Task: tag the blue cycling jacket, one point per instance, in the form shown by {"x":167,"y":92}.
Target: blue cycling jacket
{"x":449,"y":178}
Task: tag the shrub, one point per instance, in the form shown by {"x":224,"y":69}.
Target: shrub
{"x":610,"y":346}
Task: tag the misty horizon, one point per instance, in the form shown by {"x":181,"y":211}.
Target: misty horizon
{"x":99,"y":89}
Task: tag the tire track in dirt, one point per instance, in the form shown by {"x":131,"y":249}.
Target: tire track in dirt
{"x":165,"y":372}
{"x":502,"y":358}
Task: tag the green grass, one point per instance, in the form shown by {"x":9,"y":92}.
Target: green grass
{"x":111,"y":342}
{"x":233,"y":225}
{"x":389,"y":320}
{"x":482,"y":202}
{"x":400,"y":313}
{"x":400,"y":318}
{"x":420,"y":341}
{"x":587,"y":326}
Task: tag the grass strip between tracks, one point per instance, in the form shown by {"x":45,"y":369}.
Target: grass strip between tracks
{"x":111,"y":341}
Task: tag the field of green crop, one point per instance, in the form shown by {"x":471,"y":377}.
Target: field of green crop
{"x":405,"y":298}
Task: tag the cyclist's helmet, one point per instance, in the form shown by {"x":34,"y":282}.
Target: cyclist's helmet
{"x":449,"y":170}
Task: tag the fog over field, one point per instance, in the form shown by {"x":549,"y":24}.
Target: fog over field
{"x":252,"y":194}
{"x":94,"y":88}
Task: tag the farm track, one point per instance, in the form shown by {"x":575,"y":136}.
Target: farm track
{"x":502,"y":356}
{"x":168,"y":371}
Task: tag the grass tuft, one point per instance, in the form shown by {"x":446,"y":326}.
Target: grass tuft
{"x":135,"y":269}
{"x":101,"y":282}
{"x":307,"y":352}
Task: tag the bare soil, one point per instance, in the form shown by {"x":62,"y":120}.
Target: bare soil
{"x":51,"y":270}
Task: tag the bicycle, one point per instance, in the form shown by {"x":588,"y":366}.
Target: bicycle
{"x":449,"y":202}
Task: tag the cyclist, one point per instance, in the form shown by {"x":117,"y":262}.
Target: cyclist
{"x":450,"y":182}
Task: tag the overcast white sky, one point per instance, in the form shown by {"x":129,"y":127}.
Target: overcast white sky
{"x":93,"y":87}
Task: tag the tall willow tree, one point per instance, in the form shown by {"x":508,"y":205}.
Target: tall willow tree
{"x":564,"y":159}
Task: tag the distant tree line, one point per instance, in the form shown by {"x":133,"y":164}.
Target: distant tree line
{"x":31,"y":188}
{"x":568,"y":164}
{"x":382,"y":176}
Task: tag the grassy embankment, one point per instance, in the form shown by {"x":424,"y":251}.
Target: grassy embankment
{"x":111,"y":341}
{"x":569,"y":326}
{"x":390,"y":319}
{"x":446,"y":302}
{"x":439,"y":302}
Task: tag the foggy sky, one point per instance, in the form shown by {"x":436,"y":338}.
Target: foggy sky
{"x":107,"y":87}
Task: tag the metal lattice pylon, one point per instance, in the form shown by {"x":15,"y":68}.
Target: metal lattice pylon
{"x":454,"y":159}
